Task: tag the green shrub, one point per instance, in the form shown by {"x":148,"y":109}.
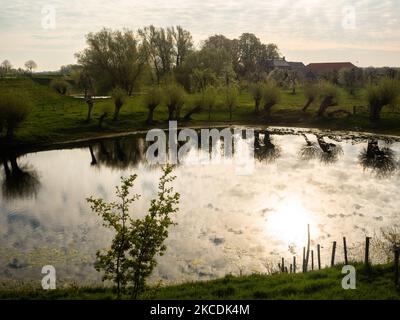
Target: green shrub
{"x":330,"y":96}
{"x":210,"y":100}
{"x":270,"y":97}
{"x":60,"y":85}
{"x":175,"y":99}
{"x":119,"y":96}
{"x":256,"y":90}
{"x":231,"y":99}
{"x":311,"y":92}
{"x":152,"y":100}
{"x":385,"y":92}
{"x":13,"y":111}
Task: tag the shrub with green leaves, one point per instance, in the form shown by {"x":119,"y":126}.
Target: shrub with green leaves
{"x":137,"y":241}
{"x":385,"y":92}
{"x":205,"y":100}
{"x":174,"y":99}
{"x":119,"y":96}
{"x":14,"y":109}
{"x":197,"y":106}
{"x":270,"y":97}
{"x":210,"y":100}
{"x":330,"y":96}
{"x":152,"y":100}
{"x":256,"y":90}
{"x":311,"y":92}
{"x":231,"y":99}
{"x":60,"y":85}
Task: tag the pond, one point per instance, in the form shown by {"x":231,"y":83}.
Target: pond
{"x":228,"y":223}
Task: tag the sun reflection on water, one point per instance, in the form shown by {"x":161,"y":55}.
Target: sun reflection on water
{"x":289,"y":221}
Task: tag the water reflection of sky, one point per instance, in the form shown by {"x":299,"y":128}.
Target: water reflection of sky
{"x":227,"y":222}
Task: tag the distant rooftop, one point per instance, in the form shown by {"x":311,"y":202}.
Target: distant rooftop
{"x":329,"y":66}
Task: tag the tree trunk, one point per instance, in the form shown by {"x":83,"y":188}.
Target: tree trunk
{"x":309,"y":102}
{"x":267,"y":109}
{"x":10,"y":132}
{"x":327,"y":102}
{"x":375,"y":113}
{"x":170,"y":113}
{"x":150,"y":116}
{"x":101,"y":120}
{"x":90,"y":109}
{"x":257,"y":105}
{"x":118,"y":107}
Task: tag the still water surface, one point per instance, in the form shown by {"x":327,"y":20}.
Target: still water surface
{"x":228,"y":223}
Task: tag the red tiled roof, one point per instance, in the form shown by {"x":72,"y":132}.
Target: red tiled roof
{"x":329,"y":66}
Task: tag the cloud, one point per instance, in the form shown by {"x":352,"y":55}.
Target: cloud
{"x":294,"y":26}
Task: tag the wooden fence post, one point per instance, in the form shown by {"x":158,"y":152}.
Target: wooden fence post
{"x":367,"y":250}
{"x":319,"y":256}
{"x":304,"y":259}
{"x":333,"y":254}
{"x":294,"y":264}
{"x":345,"y":251}
{"x":283,"y":264}
{"x":396,"y":266}
{"x":308,"y":248}
{"x":291,"y":268}
{"x":312,"y":260}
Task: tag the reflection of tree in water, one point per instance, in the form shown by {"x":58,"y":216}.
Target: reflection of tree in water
{"x":330,"y":151}
{"x":264,"y":148}
{"x":118,"y":153}
{"x":380,"y":160}
{"x":327,"y":152}
{"x":19,"y":181}
{"x":310,"y":150}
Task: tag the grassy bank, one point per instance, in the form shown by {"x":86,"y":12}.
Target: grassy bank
{"x":57,"y":118}
{"x":376,"y":283}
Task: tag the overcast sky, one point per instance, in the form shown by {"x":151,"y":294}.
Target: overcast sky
{"x":366,"y":33}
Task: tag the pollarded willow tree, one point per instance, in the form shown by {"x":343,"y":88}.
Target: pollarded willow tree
{"x":270,"y":97}
{"x":119,"y":97}
{"x":174,"y":96}
{"x":330,"y":96}
{"x":311,"y":92}
{"x":137,"y":241}
{"x":256,"y":90}
{"x":152,"y":100}
{"x":14,"y":109}
{"x":385,"y":92}
{"x":231,"y":97}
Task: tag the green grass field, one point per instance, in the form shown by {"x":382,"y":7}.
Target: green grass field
{"x":57,"y":118}
{"x":374,"y":284}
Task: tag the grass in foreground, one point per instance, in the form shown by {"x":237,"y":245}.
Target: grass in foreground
{"x":374,"y":284}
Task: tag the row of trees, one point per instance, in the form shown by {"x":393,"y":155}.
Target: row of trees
{"x":124,"y":59}
{"x":354,"y":79}
{"x":6,"y":68}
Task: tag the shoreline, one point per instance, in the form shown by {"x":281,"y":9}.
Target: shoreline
{"x":20,"y":148}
